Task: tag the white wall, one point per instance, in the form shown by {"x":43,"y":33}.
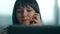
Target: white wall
{"x":47,"y":11}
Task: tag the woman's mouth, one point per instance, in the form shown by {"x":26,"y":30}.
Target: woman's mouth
{"x":25,"y":19}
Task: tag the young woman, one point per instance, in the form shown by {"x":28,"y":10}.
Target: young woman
{"x":26,"y":12}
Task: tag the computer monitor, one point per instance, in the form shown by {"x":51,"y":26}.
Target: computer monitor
{"x":19,"y":29}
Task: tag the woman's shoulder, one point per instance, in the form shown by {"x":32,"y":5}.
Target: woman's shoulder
{"x":3,"y":29}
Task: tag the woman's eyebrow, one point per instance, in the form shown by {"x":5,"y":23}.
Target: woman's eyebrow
{"x":28,"y":7}
{"x":18,"y":9}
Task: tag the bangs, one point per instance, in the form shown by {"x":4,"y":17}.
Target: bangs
{"x":31,"y":3}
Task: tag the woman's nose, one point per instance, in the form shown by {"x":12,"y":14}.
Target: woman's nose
{"x":25,"y":13}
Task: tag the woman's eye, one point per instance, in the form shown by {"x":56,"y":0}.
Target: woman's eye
{"x":28,"y":10}
{"x":18,"y":11}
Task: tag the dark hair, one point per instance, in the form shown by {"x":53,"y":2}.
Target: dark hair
{"x":31,"y":3}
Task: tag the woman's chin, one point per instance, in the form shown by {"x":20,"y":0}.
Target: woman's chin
{"x":26,"y":22}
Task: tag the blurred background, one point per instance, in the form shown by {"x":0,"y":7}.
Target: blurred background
{"x":49,"y":9}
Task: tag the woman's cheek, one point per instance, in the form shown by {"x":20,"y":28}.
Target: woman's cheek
{"x":31,"y":16}
{"x":18,"y":16}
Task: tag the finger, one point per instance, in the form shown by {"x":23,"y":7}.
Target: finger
{"x":37,"y":16}
{"x":34,"y":24}
{"x":35,"y":21}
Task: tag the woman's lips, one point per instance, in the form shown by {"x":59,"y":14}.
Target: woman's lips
{"x":25,"y":19}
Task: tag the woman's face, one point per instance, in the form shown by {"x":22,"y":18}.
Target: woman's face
{"x":25,"y":14}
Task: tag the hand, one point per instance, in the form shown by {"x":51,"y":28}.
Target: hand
{"x":36,"y":19}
